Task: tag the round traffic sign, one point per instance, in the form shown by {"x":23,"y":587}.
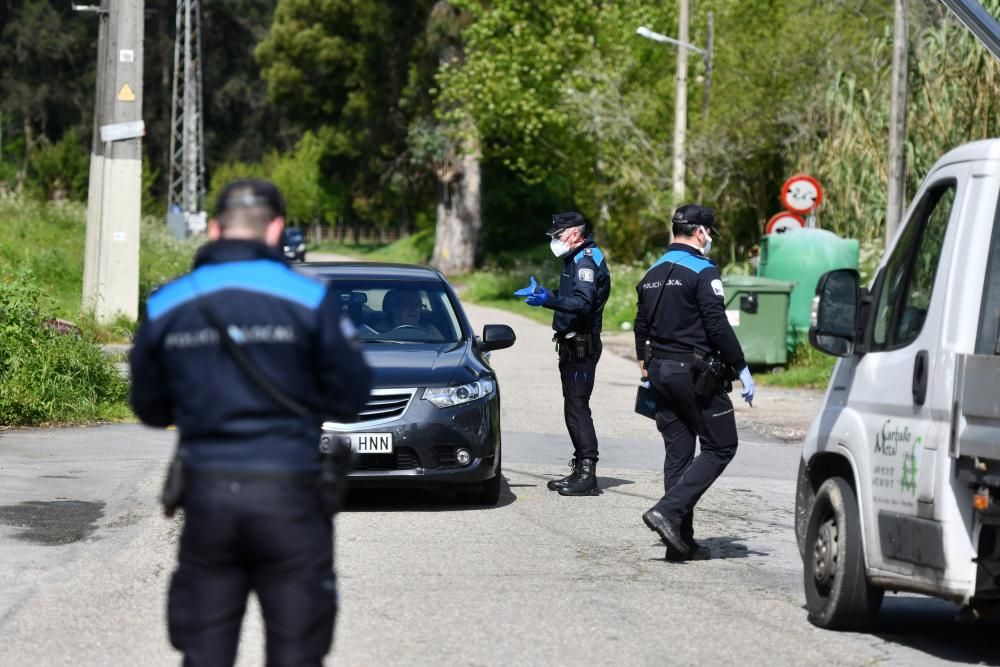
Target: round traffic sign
{"x":801,"y":194}
{"x":784,"y":222}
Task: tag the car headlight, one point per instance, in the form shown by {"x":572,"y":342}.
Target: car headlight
{"x":445,"y":397}
{"x":300,"y":247}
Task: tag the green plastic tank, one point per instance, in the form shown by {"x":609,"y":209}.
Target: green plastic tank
{"x":802,"y":257}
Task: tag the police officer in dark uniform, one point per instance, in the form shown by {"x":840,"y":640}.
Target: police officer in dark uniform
{"x":253,"y":518}
{"x":686,"y":345}
{"x":584,"y":287}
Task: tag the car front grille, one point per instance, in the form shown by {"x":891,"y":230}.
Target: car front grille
{"x":383,"y":406}
{"x":404,"y":458}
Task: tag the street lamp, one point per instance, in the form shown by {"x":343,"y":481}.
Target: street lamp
{"x":680,"y":101}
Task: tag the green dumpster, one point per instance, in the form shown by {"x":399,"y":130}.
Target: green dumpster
{"x":757,"y":308}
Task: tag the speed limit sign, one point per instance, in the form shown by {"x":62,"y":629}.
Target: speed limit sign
{"x":801,"y":194}
{"x":784,"y":222}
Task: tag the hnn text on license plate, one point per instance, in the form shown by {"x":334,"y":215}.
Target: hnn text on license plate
{"x":372,"y":443}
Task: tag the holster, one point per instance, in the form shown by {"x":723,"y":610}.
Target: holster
{"x":576,"y":346}
{"x":336,"y":463}
{"x":711,"y":375}
{"x":172,"y":496}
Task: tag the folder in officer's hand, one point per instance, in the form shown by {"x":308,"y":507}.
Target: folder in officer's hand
{"x":645,"y":399}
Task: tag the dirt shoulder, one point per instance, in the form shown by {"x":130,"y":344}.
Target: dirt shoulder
{"x":778,"y":413}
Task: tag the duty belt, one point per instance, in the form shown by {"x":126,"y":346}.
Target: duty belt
{"x":672,"y":356}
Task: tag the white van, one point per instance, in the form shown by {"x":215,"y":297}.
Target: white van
{"x":899,"y":483}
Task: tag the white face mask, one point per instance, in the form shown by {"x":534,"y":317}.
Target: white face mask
{"x":708,"y":244}
{"x":559,"y":247}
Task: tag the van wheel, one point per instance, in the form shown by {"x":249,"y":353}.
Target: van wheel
{"x":838,"y":595}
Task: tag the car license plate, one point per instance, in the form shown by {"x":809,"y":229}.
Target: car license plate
{"x":371,"y":443}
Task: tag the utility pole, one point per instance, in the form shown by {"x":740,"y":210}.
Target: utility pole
{"x":680,"y":104}
{"x":114,"y":198}
{"x":706,"y":88}
{"x":187,"y":157}
{"x":896,"y":190}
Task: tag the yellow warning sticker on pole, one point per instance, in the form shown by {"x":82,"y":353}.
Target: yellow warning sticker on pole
{"x":126,"y":94}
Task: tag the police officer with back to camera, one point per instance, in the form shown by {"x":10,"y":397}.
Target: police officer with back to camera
{"x":244,"y":355}
{"x":584,"y":287}
{"x":689,"y":350}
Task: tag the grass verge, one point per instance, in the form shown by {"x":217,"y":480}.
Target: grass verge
{"x":414,"y":249}
{"x":49,"y":374}
{"x":807,"y":368}
{"x":52,"y":367}
{"x":46,"y":241}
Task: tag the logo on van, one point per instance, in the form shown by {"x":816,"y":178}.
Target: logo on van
{"x":908,"y":481}
{"x":887,"y":440}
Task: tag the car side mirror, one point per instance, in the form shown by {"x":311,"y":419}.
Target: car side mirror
{"x":833,"y":327}
{"x":497,"y":337}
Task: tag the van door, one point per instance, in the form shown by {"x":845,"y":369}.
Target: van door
{"x":891,"y":391}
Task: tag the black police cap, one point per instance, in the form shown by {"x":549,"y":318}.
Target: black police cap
{"x":693,"y":214}
{"x":248,"y":193}
{"x":567,"y":220}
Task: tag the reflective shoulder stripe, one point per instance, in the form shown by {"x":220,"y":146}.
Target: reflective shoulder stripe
{"x":592,"y":252}
{"x":261,"y":276}
{"x":685,"y":259}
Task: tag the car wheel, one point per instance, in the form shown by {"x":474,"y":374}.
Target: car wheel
{"x":838,"y":595}
{"x":487,"y":494}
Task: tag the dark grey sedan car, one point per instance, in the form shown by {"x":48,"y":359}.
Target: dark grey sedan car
{"x":433,"y":417}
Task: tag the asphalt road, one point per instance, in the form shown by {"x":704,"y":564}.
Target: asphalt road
{"x":538,"y":580}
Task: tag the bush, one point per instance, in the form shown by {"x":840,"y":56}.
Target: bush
{"x":47,"y":375}
{"x":59,"y":170}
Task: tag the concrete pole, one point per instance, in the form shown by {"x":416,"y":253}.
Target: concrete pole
{"x":896,"y":187}
{"x":111,"y":261}
{"x":705,"y":96}
{"x":680,"y":106}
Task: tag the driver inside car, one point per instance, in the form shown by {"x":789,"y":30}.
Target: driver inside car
{"x":403,"y":308}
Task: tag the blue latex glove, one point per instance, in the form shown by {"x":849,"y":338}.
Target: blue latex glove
{"x":539,"y":298}
{"x":748,"y":386}
{"x":529,"y":290}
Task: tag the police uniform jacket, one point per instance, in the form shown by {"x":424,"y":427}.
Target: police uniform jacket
{"x":681,"y":308}
{"x":584,"y":287}
{"x":290,"y":328}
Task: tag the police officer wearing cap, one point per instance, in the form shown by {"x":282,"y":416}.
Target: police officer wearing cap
{"x":680,"y":329}
{"x":254,"y":511}
{"x":584,"y":287}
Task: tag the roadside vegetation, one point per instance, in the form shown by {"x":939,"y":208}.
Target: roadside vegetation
{"x":49,"y":372}
{"x":52,"y":365}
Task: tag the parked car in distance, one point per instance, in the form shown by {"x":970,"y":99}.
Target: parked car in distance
{"x":293,"y":244}
{"x":433,"y":417}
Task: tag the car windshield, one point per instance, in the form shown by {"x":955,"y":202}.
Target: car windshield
{"x":293,"y":236}
{"x":388,"y":311}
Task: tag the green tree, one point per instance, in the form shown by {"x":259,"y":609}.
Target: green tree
{"x":344,"y":68}
{"x":45,"y":85}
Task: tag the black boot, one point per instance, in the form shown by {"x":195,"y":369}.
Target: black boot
{"x":556,"y":484}
{"x":586,"y":482}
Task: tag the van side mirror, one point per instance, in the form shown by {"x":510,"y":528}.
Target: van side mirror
{"x":833,"y":327}
{"x":497,"y":337}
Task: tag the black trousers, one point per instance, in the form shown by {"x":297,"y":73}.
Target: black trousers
{"x":681,"y":416}
{"x":267,"y":535}
{"x":577,"y":385}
